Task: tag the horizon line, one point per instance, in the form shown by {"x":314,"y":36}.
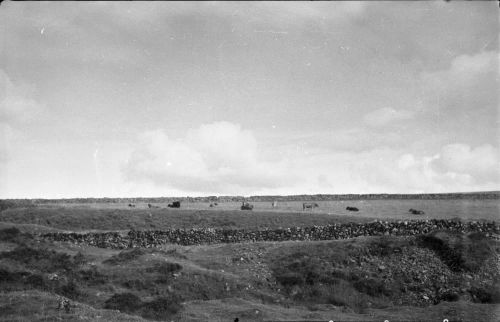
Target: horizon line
{"x":270,"y":195}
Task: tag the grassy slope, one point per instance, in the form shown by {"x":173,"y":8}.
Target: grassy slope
{"x":221,"y":282}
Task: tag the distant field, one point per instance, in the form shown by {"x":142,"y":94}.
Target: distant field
{"x":473,"y":209}
{"x":111,"y":216}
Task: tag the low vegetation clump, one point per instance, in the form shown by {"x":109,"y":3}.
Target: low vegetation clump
{"x":41,"y":259}
{"x":486,"y":294}
{"x":14,"y":235}
{"x":315,"y":280}
{"x":161,"y":308}
{"x":459,"y":251}
{"x":9,"y":204}
{"x":125,"y":256}
{"x":124,"y":302}
{"x":165,"y":268}
{"x":157,"y":309}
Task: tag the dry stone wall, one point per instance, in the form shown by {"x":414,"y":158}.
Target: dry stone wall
{"x":197,"y":236}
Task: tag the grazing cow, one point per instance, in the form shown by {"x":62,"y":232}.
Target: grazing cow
{"x":275,"y":204}
{"x":352,"y":209}
{"x":175,"y":204}
{"x":152,"y":206}
{"x":212,"y":205}
{"x":309,"y":206}
{"x":416,"y":212}
{"x":131,"y":205}
{"x":246,"y":206}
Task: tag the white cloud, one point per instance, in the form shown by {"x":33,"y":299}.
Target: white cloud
{"x":385,"y":116}
{"x":216,"y":158}
{"x":471,"y":83}
{"x":481,"y":163}
{"x":223,"y":158}
{"x":456,"y":167}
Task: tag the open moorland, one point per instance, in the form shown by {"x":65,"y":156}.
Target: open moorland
{"x":404,"y":267}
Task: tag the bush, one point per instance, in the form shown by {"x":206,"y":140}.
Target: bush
{"x":124,"y":302}
{"x":125,"y":256}
{"x":167,"y":268}
{"x":14,"y":235}
{"x":9,"y":234}
{"x":35,"y":281}
{"x":289,"y":279}
{"x":487,"y":294}
{"x":372,"y":287}
{"x":449,"y":256}
{"x":161,"y":308}
{"x":92,"y":276}
{"x":70,"y":290}
{"x":42,"y":259}
{"x":79,"y":259}
{"x":449,"y":297}
{"x":458,"y":251}
{"x":384,"y":246}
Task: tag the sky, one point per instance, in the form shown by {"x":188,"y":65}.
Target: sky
{"x":129,"y":99}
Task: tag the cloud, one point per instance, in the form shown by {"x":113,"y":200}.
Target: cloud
{"x":471,"y":82}
{"x":481,"y":163}
{"x":456,"y":167}
{"x":385,"y":116}
{"x":219,"y":157}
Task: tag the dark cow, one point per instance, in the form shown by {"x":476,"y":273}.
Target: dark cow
{"x":352,"y":209}
{"x":131,"y":205}
{"x":309,"y":206}
{"x":246,"y":206}
{"x":416,"y":212}
{"x":175,"y":204}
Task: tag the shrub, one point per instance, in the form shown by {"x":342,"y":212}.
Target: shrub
{"x":384,"y":246}
{"x":9,"y":234}
{"x":70,"y":290}
{"x":458,"y":251}
{"x":161,"y":308}
{"x":139,"y":284}
{"x":35,"y":281}
{"x":14,"y":235}
{"x":92,"y":276}
{"x":164,"y":268}
{"x":42,"y":259}
{"x":449,"y":297}
{"x":449,"y":256}
{"x":124,"y":302}
{"x":289,"y":279}
{"x":125,"y":256}
{"x":79,"y":259}
{"x":372,"y":287}
{"x":487,"y":294}
{"x":12,"y":279}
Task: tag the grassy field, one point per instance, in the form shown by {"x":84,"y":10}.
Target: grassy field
{"x":81,"y":217}
{"x":442,"y":275}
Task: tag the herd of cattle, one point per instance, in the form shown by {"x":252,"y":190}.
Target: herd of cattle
{"x":248,"y":206}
